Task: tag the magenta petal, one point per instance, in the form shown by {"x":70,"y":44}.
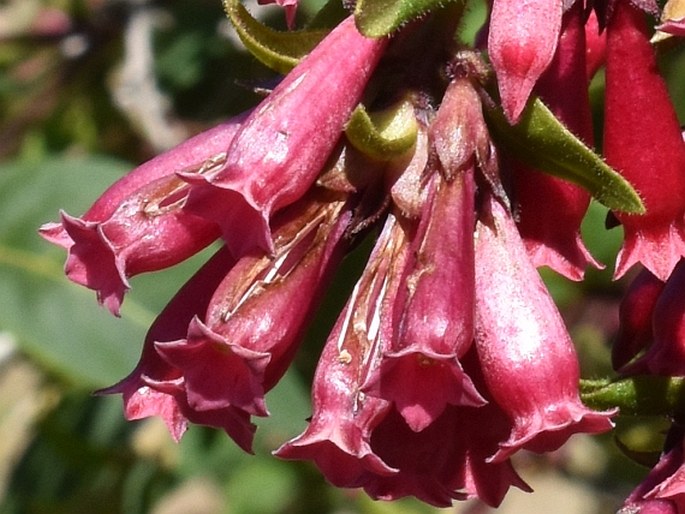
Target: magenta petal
{"x":138,"y":225}
{"x":521,"y":43}
{"x":635,"y":318}
{"x":526,"y":355}
{"x":662,"y":491}
{"x":282,"y":147}
{"x":217,"y":374}
{"x":666,"y":355}
{"x":422,"y":384}
{"x":258,"y":314}
{"x":235,"y":422}
{"x":141,"y":400}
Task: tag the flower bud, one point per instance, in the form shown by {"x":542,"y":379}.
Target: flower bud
{"x":521,"y":44}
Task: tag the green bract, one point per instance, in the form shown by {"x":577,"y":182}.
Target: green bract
{"x":383,"y":135}
{"x":280,"y":51}
{"x":543,"y":142}
{"x":377,"y":18}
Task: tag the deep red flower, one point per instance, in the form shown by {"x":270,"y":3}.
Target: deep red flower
{"x":643,"y":141}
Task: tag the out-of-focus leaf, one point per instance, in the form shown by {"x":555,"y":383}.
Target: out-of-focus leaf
{"x":543,"y":142}
{"x":378,"y":18}
{"x":55,"y":321}
{"x":280,"y":51}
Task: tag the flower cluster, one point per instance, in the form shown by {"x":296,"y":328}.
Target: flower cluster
{"x":450,"y":355}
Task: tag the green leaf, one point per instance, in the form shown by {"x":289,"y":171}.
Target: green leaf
{"x":280,"y":51}
{"x":385,"y":134}
{"x":637,"y":396}
{"x":378,"y":18}
{"x":543,"y":142}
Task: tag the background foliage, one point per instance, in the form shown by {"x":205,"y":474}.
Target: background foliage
{"x":89,"y":88}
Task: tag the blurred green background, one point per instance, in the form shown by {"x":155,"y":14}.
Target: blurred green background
{"x":90,"y":88}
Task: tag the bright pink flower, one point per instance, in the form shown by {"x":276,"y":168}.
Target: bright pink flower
{"x":666,"y":355}
{"x":338,"y":436}
{"x":528,"y":360}
{"x":521,"y":44}
{"x":642,"y":140}
{"x":154,"y":388}
{"x":550,"y":210}
{"x":420,"y":370}
{"x":282,"y":147}
{"x":635,"y":318}
{"x":258,"y":314}
{"x":138,"y":224}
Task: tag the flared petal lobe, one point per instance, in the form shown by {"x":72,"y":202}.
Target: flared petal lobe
{"x":154,"y":387}
{"x":282,"y":147}
{"x":527,"y":358}
{"x":258,"y":314}
{"x":138,"y":224}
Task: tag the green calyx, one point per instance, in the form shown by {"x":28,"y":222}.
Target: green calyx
{"x":383,"y":135}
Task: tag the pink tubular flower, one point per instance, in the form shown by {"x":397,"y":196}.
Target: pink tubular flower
{"x":521,"y":44}
{"x":657,"y":238}
{"x":138,"y":224}
{"x":666,"y":355}
{"x":420,"y":370}
{"x":281,"y":148}
{"x":258,"y":314}
{"x":338,"y":436}
{"x":154,"y":388}
{"x":550,"y":209}
{"x":526,"y":355}
{"x":635,"y":318}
